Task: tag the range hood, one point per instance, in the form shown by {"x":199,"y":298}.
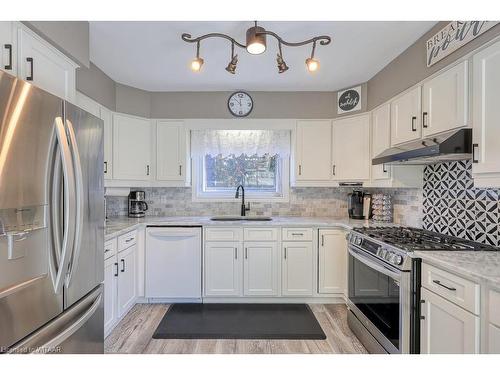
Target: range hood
{"x":448,"y":147}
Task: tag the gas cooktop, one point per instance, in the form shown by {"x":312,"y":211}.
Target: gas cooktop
{"x":414,"y":239}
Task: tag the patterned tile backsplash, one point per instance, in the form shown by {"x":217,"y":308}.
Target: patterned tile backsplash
{"x":330,"y":202}
{"x":451,"y":204}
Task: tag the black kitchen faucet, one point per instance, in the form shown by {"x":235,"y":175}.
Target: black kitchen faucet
{"x":244,"y":208}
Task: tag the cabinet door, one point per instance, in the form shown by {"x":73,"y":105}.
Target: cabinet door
{"x":381,"y":139}
{"x":45,"y":67}
{"x":351,"y":149}
{"x":107,"y":118}
{"x":8,"y":45}
{"x":297,"y":268}
{"x":127,"y":279}
{"x":493,"y":339}
{"x":131,"y":148}
{"x":260,"y":269}
{"x":170,"y":151}
{"x":222,"y":268}
{"x":446,"y":328}
{"x":332,"y":262}
{"x":313,"y":151}
{"x":110,"y":293}
{"x":405,"y":117}
{"x":486,"y":116}
{"x":445,"y":101}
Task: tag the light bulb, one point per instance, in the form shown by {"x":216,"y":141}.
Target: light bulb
{"x":312,"y":65}
{"x":196,"y":64}
{"x":256,"y":48}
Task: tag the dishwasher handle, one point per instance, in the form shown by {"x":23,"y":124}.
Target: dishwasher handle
{"x":167,"y":234}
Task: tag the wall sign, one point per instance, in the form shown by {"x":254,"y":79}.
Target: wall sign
{"x":349,"y":100}
{"x":453,"y":36}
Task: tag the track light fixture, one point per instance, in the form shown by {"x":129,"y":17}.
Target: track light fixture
{"x":282,"y":67}
{"x":256,"y":43}
{"x":197,"y":63}
{"x":311,"y":63}
{"x":231,"y":67}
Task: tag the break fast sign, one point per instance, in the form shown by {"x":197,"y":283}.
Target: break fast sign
{"x":453,"y":36}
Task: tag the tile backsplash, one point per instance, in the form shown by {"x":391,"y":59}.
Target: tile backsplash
{"x":451,"y":204}
{"x":330,"y":202}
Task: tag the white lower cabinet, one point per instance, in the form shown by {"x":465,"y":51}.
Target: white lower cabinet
{"x":223,"y":269}
{"x":260,"y":269}
{"x":297,"y":268}
{"x":110,"y":293}
{"x":446,"y":328}
{"x":332,"y":253}
{"x":493,"y":339}
{"x":127,"y":279}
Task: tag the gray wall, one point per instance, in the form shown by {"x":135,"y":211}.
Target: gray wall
{"x":133,"y":101}
{"x":94,"y":83}
{"x":71,"y":37}
{"x":410,"y":67}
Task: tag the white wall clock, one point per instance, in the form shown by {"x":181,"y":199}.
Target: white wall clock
{"x":240,"y":104}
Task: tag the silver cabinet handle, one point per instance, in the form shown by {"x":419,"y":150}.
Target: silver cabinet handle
{"x":129,"y":239}
{"x":106,"y":250}
{"x":8,"y":47}
{"x":123,"y":265}
{"x":474,"y":146}
{"x":235,"y":253}
{"x":116,"y":271}
{"x":297,"y":234}
{"x":384,"y":168}
{"x":322,"y":240}
{"x":333,"y":169}
{"x":285,"y":252}
{"x":246,"y":253}
{"x":300,"y":170}
{"x":147,"y":170}
{"x":437,"y":282}
{"x":180,"y":170}
{"x":30,"y":61}
{"x":105,"y":167}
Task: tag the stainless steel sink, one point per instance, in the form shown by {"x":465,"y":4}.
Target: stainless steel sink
{"x":241,"y":218}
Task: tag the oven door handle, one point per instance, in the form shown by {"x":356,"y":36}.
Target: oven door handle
{"x":380,"y":268}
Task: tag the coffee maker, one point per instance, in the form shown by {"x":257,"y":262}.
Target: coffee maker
{"x":137,"y":205}
{"x":359,"y":205}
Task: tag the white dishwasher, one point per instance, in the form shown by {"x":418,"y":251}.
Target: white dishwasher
{"x":173,"y":262}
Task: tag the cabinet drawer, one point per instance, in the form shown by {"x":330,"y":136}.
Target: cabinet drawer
{"x":126,"y":240}
{"x":223,"y":234}
{"x":260,"y":234}
{"x":494,"y":307}
{"x":110,"y":247}
{"x":297,"y":234}
{"x":462,"y":292}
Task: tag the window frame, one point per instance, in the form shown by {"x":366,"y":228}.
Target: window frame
{"x":198,"y":195}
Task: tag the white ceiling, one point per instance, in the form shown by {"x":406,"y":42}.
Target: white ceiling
{"x":151,"y":55}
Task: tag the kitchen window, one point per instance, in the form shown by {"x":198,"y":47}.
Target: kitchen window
{"x":256,"y":159}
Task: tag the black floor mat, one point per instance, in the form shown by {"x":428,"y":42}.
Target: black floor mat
{"x":239,"y":321}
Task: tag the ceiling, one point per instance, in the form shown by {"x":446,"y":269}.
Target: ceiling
{"x":151,"y":55}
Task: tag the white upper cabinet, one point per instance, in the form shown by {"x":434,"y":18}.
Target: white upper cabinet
{"x":405,"y":117}
{"x":486,"y":117}
{"x":313,"y":151}
{"x":107,"y":117}
{"x":445,"y":101}
{"x":170,"y":151}
{"x":351,"y":149}
{"x":381,"y":139}
{"x":44,"y":66}
{"x":131,"y":148}
{"x":8,"y":58}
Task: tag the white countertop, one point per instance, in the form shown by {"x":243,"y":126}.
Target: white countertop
{"x":483,"y":266}
{"x":119,"y":225}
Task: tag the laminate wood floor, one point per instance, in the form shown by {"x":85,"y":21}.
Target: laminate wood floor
{"x":134,"y":335}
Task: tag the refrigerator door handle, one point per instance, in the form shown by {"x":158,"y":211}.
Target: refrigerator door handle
{"x":78,"y":178}
{"x":69,"y":206}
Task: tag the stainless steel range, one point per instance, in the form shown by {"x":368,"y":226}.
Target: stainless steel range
{"x":384,"y":284}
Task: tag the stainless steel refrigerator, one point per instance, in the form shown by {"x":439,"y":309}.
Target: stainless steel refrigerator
{"x":51,"y":223}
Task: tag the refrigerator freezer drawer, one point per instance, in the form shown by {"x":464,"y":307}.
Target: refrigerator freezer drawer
{"x":78,"y":330}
